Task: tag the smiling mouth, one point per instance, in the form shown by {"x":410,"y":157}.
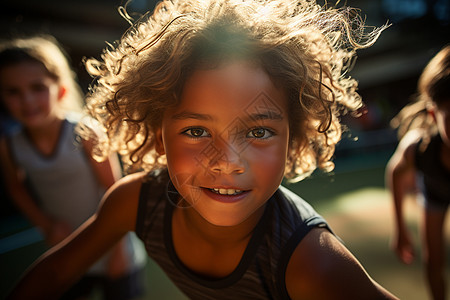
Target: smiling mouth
{"x":229,"y":192}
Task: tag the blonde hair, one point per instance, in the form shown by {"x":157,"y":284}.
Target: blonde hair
{"x":45,"y":50}
{"x":306,"y":50}
{"x":433,"y":90}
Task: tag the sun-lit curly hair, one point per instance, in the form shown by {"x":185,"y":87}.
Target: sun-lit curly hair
{"x":433,"y":88}
{"x":306,"y":49}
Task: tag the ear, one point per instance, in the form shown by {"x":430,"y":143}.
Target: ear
{"x":159,"y":144}
{"x":431,"y":109}
{"x":62,"y":92}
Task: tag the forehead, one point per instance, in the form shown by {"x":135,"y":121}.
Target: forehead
{"x":234,"y":87}
{"x":23,"y":72}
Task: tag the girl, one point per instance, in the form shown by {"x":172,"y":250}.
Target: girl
{"x":422,"y":160}
{"x":217,"y":101}
{"x":48,"y":173}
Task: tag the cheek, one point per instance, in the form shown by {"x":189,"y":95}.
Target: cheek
{"x":46,"y":99}
{"x":181,"y":158}
{"x":270,"y":163}
{"x":53,"y":93}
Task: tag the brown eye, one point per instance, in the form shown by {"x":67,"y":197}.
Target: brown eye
{"x":196,"y":132}
{"x":260,"y":133}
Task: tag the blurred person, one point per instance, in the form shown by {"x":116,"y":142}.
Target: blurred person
{"x":421,"y":163}
{"x":48,"y":170}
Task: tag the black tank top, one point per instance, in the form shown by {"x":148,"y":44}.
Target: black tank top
{"x":260,"y":273}
{"x":434,"y":178}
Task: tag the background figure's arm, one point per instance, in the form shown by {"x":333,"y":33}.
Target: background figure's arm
{"x":400,"y":179}
{"x":60,"y":267}
{"x":14,"y":182}
{"x":107,"y":173}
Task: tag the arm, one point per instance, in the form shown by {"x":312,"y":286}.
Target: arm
{"x":53,"y":230}
{"x":400,"y":179}
{"x":322,"y":268}
{"x":64,"y":264}
{"x":107,"y":172}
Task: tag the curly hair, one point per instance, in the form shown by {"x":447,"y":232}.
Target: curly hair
{"x":306,"y":50}
{"x":45,"y":50}
{"x":433,"y":89}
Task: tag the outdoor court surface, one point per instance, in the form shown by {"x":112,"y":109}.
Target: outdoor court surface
{"x":355,"y":204}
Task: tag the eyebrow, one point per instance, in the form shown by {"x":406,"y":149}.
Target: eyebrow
{"x":191,"y":115}
{"x":260,"y":116}
{"x":268,"y":115}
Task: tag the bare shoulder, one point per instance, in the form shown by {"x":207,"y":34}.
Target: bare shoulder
{"x":321,"y":267}
{"x":408,"y":144}
{"x":128,"y":185}
{"x":403,"y":158}
{"x":120,"y":202}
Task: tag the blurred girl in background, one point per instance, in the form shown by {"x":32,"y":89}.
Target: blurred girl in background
{"x":422,"y":161}
{"x":48,"y":170}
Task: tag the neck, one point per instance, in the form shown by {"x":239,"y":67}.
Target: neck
{"x":222,"y":236}
{"x":210,"y":250}
{"x":45,"y":137}
{"x":47,"y":128}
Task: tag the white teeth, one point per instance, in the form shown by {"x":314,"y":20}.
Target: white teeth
{"x":227,"y":191}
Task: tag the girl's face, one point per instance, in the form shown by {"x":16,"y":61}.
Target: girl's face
{"x":29,"y":93}
{"x":226,"y":142}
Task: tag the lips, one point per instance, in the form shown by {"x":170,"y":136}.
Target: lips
{"x":226,"y":191}
{"x":225,"y":195}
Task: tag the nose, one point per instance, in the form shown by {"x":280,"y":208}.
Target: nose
{"x":27,"y":97}
{"x":228,"y":161}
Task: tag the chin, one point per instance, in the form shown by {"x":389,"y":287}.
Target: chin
{"x":224,"y":221}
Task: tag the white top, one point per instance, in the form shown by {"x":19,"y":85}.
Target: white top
{"x":65,"y":185}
